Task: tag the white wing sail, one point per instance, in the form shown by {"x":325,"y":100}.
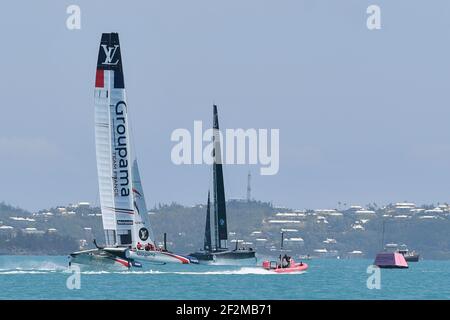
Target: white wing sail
{"x":124,"y":212}
{"x":112,"y":144}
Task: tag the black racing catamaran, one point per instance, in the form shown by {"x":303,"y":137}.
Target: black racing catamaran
{"x":128,"y":233}
{"x":220,"y":254}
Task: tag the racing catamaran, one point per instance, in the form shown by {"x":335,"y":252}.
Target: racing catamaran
{"x":220,"y":254}
{"x":128,"y":233}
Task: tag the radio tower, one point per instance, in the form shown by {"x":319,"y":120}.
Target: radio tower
{"x":249,"y":189}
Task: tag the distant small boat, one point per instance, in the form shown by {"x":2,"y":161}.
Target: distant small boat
{"x":390,"y":260}
{"x":410,"y":256}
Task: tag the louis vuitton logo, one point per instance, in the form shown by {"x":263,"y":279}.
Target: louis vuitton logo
{"x":109,"y":54}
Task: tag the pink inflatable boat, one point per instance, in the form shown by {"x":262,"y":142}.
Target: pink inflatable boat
{"x":293,"y":267}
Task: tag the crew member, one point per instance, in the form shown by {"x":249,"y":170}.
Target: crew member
{"x":285,"y":261}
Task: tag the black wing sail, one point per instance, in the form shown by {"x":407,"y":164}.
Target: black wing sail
{"x":220,"y":214}
{"x":207,"y":243}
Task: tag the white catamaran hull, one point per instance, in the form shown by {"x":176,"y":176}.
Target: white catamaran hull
{"x":100,"y":258}
{"x":158,"y":257}
{"x":127,"y":259}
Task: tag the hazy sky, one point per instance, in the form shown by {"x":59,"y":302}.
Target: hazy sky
{"x":363,"y":115}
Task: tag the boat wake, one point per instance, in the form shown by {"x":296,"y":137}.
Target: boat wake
{"x":245,"y":270}
{"x":240,"y":271}
{"x":32,"y":267}
{"x":49,"y":268}
{"x":5,"y":272}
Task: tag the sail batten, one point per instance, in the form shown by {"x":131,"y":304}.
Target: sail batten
{"x":207,"y":241}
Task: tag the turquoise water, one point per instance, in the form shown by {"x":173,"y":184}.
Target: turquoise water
{"x":25,"y":277}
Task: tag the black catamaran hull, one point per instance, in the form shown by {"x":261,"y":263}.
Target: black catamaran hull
{"x":412,"y":258}
{"x":226,"y":257}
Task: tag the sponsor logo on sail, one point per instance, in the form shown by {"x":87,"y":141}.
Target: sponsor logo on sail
{"x":143,"y":234}
{"x":125,"y":222}
{"x":121,"y":177}
{"x":109,"y":55}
